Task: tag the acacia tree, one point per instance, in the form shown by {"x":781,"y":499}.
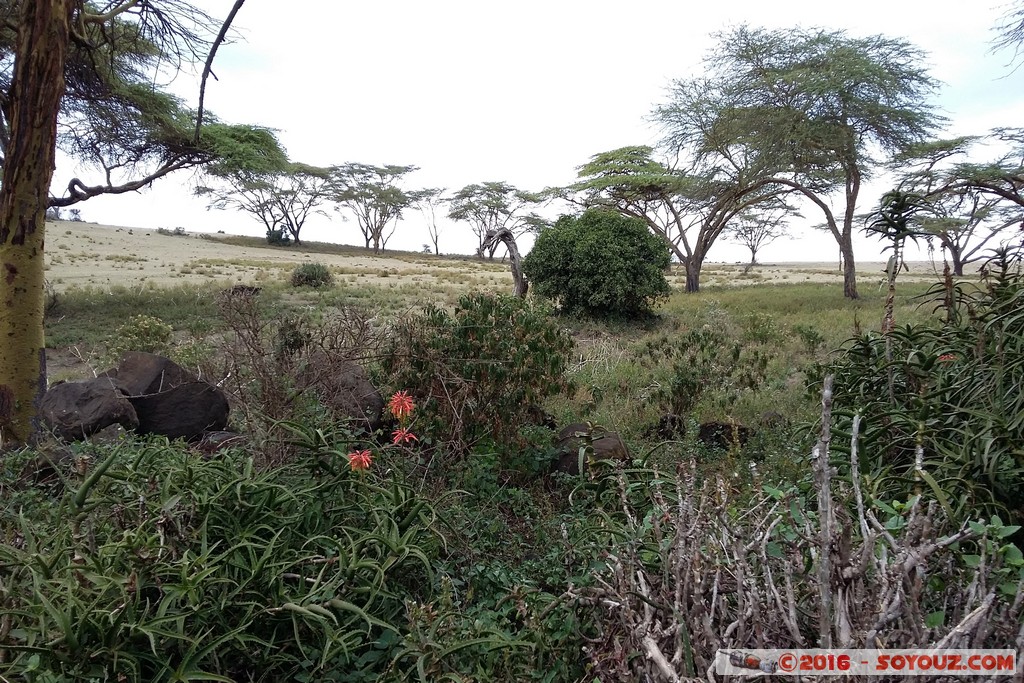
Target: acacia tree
{"x":431,"y":200}
{"x":492,"y":207}
{"x":688,"y":209}
{"x":973,"y":203}
{"x":374,"y":196}
{"x":261,"y":181}
{"x":81,"y":76}
{"x":758,"y":229}
{"x":1010,"y":31}
{"x":819,"y":110}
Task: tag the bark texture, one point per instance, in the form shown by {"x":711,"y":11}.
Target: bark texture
{"x":36,"y":92}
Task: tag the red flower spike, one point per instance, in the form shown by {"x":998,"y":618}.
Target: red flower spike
{"x":402,"y":435}
{"x":360,"y":460}
{"x":401,"y":404}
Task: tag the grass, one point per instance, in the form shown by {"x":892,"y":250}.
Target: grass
{"x":511,"y":538}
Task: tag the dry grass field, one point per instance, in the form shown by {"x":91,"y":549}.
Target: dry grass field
{"x":90,"y":255}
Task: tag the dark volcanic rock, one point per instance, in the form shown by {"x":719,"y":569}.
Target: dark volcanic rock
{"x":76,"y":410}
{"x":607,"y":446}
{"x":344,"y":388}
{"x":185,"y":411}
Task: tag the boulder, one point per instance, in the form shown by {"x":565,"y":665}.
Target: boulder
{"x":184,"y":411}
{"x":714,"y":434}
{"x":76,"y":410}
{"x":606,"y":446}
{"x":723,"y":435}
{"x":344,"y":388}
{"x":141,"y":373}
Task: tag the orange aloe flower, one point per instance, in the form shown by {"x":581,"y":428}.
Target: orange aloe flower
{"x":401,"y":404}
{"x":360,"y":460}
{"x":402,"y":435}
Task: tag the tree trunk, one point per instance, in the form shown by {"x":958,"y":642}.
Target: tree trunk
{"x":520,"y":284}
{"x":692,"y":266}
{"x":849,"y":268}
{"x":958,"y":264}
{"x":36,"y":92}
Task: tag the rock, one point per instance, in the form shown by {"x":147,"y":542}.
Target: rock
{"x":211,"y":442}
{"x":606,"y":446}
{"x":76,"y":410}
{"x":141,"y":373}
{"x":723,"y":434}
{"x":714,"y":434}
{"x":344,"y":388}
{"x":184,"y":411}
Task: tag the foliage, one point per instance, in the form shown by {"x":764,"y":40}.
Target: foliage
{"x":690,"y":569}
{"x":314,"y":274}
{"x":975,"y":202}
{"x":258,"y":179}
{"x":479,"y":370}
{"x":775,"y":110}
{"x":687,"y":209}
{"x":600,"y":264}
{"x":704,"y":361}
{"x":278,"y":238}
{"x":375,"y":196}
{"x":115,"y":114}
{"x":280,"y":366}
{"x":215,"y":571}
{"x":1011,"y":30}
{"x":756,"y":230}
{"x":939,"y":404}
{"x":140,"y":333}
{"x":488,"y":207}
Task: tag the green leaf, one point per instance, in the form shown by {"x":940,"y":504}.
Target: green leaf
{"x":972,"y":561}
{"x":935,"y":619}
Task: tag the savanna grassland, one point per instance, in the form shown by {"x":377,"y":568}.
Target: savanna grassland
{"x":875,"y":514}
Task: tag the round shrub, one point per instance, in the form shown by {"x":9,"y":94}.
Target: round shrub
{"x":599,"y":264}
{"x":140,"y":333}
{"x":479,"y":372}
{"x":312,"y":275}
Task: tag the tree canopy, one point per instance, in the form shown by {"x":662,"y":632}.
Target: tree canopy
{"x":599,"y":264}
{"x":810,"y":110}
{"x":84,"y":78}
{"x":375,"y":196}
{"x":492,"y":206}
{"x":256,"y":177}
{"x":687,"y":209}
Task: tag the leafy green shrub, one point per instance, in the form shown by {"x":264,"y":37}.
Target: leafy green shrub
{"x":158,"y":564}
{"x":479,"y":370}
{"x":312,"y":275}
{"x":141,"y":333}
{"x":940,"y":405}
{"x":278,"y":238}
{"x":599,"y":264}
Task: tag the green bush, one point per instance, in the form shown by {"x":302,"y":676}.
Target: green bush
{"x":940,"y":405}
{"x":278,"y":238}
{"x":599,"y":264}
{"x":312,"y":275}
{"x":481,"y":369}
{"x":141,"y":333}
{"x":158,"y":564}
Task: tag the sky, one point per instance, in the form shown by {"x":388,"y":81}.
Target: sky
{"x":522,"y":92}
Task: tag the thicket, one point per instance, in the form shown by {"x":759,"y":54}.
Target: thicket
{"x":312,"y":275}
{"x":321,"y":553}
{"x":600,"y":264}
{"x":940,"y":406}
{"x":480,"y":371}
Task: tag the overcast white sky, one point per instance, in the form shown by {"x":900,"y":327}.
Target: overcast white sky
{"x":524,"y":91}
